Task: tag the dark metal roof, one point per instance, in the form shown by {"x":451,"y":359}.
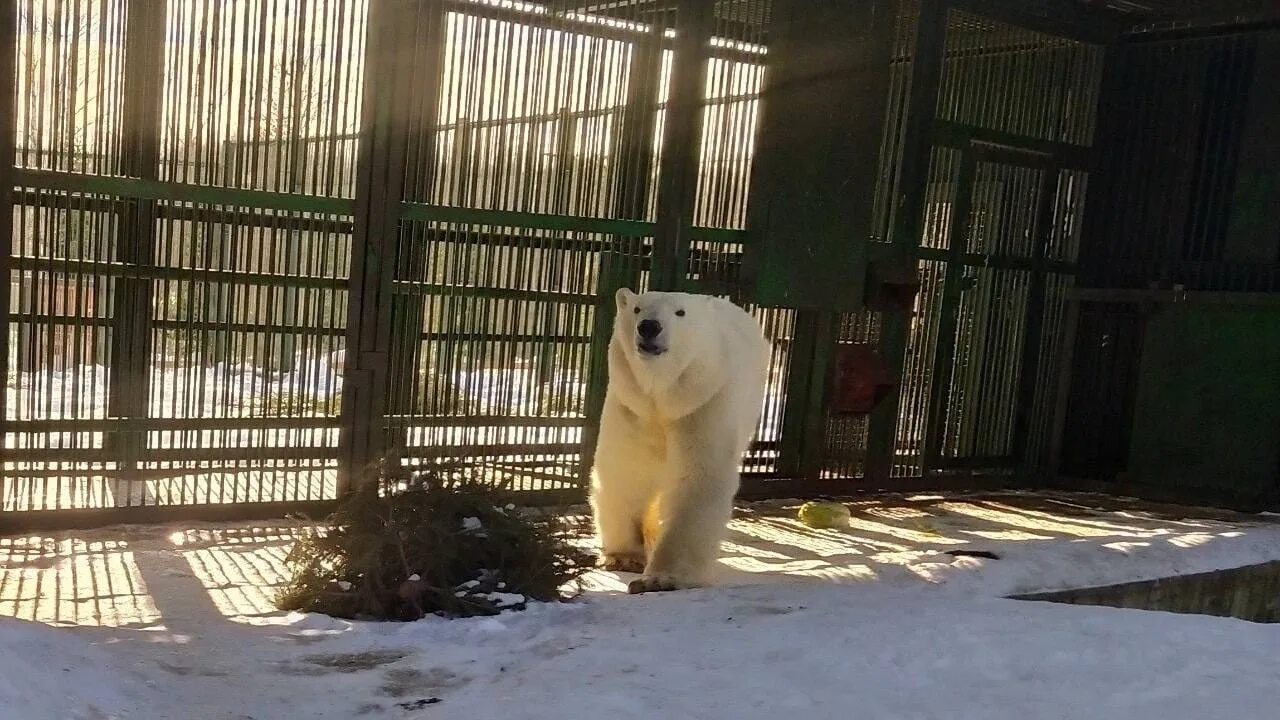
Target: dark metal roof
{"x":752,"y":16}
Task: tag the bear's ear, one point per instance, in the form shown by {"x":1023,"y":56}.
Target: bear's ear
{"x":624,"y":297}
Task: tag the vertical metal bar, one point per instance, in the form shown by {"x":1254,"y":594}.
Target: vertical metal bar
{"x":826,"y":328}
{"x":952,"y":287}
{"x":412,"y":261}
{"x":620,"y":265}
{"x":140,"y":157}
{"x":379,"y":189}
{"x":630,"y":198}
{"x":8,"y":59}
{"x":1062,"y":391}
{"x":908,"y":218}
{"x":682,"y":130}
{"x":1028,"y":375}
{"x":796,"y":394}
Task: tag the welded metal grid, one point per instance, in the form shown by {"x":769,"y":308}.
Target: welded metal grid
{"x":186,"y":231}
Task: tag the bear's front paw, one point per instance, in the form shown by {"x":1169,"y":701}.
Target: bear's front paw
{"x":622,"y":562}
{"x":657,"y":583}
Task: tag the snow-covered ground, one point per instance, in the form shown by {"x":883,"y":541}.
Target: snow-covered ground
{"x":869,"y":622}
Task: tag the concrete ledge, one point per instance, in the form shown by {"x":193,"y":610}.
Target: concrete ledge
{"x":1248,"y":593}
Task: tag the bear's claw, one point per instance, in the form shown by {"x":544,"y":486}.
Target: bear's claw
{"x":622,"y":563}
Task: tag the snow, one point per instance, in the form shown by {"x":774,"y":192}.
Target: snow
{"x":50,"y":675}
{"x":870,"y":622}
{"x":313,"y":389}
{"x":487,"y":399}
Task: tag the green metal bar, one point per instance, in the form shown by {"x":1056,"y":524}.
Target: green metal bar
{"x":1062,"y":386}
{"x":47,"y":320}
{"x":579,"y":22}
{"x":621,"y":267}
{"x":1097,"y":238}
{"x":8,"y":57}
{"x":952,"y":287}
{"x":1126,"y":295}
{"x":130,"y":354}
{"x":1002,"y":262}
{"x":154,"y":424}
{"x":401,"y":287}
{"x":682,"y":131}
{"x":175,"y":455}
{"x":820,"y":127}
{"x":380,"y":181}
{"x":156,"y":272}
{"x":1028,"y":376}
{"x":491,"y":451}
{"x":796,"y":394}
{"x":28,"y":521}
{"x":720,"y":235}
{"x":537,"y":221}
{"x":826,"y":327}
{"x":960,"y":136}
{"x":483,"y":337}
{"x":493,"y":421}
{"x":173,"y":192}
{"x":417,"y":242}
{"x":909,"y":197}
{"x":1069,"y":20}
{"x":152,"y":189}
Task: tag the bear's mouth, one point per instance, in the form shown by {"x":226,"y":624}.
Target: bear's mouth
{"x":650,"y":349}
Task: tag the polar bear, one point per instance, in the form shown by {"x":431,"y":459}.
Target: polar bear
{"x":686,"y":386}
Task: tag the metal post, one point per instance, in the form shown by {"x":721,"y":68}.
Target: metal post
{"x":8,"y":52}
{"x":682,"y":131}
{"x":411,"y":263}
{"x":952,"y":288}
{"x":620,"y":264}
{"x":136,"y":222}
{"x":379,"y":189}
{"x":1028,"y":376}
{"x":921,"y":107}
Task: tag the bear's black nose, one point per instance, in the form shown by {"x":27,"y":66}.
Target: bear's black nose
{"x":649,"y":329}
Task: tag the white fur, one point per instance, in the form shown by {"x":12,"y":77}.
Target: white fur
{"x":674,"y":429}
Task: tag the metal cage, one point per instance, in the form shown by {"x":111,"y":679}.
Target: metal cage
{"x":251,"y":248}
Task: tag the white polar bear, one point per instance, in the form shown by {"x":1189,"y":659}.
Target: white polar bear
{"x":686,"y":386}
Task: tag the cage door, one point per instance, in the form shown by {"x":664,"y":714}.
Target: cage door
{"x":983,"y":359}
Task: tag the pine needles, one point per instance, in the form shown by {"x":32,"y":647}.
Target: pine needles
{"x":445,"y":546}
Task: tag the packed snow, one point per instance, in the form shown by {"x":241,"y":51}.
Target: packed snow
{"x":873,"y":621}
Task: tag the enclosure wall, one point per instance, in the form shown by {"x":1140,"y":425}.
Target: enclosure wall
{"x":1188,"y":198}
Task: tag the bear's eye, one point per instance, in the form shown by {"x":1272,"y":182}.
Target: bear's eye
{"x":679,"y":313}
{"x":637,"y":311}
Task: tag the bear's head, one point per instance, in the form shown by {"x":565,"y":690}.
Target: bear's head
{"x":665,"y":328}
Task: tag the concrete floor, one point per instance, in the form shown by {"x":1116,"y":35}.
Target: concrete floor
{"x":145,"y":577}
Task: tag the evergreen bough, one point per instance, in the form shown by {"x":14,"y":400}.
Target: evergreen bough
{"x":447,"y":546}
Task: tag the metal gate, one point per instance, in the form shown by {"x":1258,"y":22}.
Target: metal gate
{"x":982,"y":406}
{"x":990,"y":156}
